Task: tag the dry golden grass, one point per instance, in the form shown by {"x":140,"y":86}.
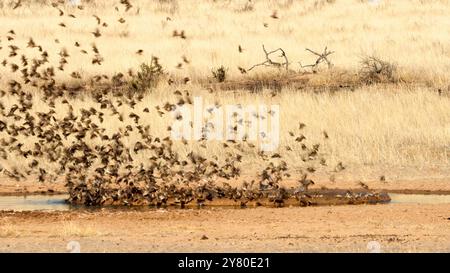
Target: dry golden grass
{"x":66,"y":228}
{"x":72,"y":229}
{"x":387,"y":127}
{"x":413,"y":34}
{"x":380,"y":125}
{"x":8,"y":230}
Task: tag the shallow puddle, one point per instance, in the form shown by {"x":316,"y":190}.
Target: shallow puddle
{"x":34,"y":202}
{"x":57,"y":202}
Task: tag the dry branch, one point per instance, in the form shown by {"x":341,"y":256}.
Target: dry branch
{"x":269,"y":62}
{"x":322,"y":57}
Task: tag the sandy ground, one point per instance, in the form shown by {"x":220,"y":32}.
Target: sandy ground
{"x":396,"y":227}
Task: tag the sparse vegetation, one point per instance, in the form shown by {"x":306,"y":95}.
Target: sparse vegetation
{"x":220,"y":73}
{"x":8,"y":230}
{"x":248,"y":6}
{"x":375,"y":70}
{"x":72,"y":229}
{"x":147,"y":77}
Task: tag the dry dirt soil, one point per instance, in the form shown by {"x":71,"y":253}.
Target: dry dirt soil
{"x":396,"y":227}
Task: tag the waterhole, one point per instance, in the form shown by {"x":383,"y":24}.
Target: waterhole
{"x":58,"y":202}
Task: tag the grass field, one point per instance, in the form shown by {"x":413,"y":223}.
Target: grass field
{"x":403,"y":123}
{"x":397,"y":31}
{"x":378,"y":127}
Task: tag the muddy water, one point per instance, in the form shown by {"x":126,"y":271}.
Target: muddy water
{"x":34,"y":202}
{"x":57,"y":202}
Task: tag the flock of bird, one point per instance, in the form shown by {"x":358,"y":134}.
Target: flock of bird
{"x":100,"y":168}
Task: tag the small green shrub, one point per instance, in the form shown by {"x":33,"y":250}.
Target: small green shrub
{"x":148,"y":76}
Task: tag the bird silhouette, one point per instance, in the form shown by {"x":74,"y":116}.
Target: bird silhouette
{"x":17,"y":4}
{"x":274,"y":15}
{"x":127,"y":4}
{"x":96,"y":33}
{"x":97,"y":19}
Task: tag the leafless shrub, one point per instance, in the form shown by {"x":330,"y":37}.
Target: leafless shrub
{"x":322,"y":57}
{"x":375,"y":70}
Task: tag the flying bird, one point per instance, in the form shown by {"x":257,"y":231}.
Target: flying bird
{"x":31,"y":43}
{"x":242,"y":70}
{"x":97,"y":18}
{"x":127,"y":4}
{"x":274,"y":15}
{"x":363,"y":185}
{"x":17,"y":4}
{"x":96,"y":33}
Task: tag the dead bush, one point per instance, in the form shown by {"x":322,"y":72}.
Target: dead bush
{"x":375,"y":70}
